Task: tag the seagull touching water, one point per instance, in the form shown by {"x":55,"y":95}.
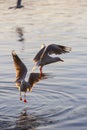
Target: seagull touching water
{"x":21,"y":72}
{"x":18,"y":5}
{"x":43,"y":56}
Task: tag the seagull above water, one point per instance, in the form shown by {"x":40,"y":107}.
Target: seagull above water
{"x":43,"y":57}
{"x":21,"y":72}
{"x":18,"y":5}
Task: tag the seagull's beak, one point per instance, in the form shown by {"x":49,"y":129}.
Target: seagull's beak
{"x":61,"y":60}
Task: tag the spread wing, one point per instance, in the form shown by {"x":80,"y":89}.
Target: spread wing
{"x":56,"y":49}
{"x":35,"y":78}
{"x":20,"y":68}
{"x":39,"y":54}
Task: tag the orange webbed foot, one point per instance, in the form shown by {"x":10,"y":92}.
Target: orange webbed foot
{"x":20,"y":98}
{"x":25,"y":100}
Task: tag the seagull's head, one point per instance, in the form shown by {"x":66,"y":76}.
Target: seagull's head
{"x":23,"y":86}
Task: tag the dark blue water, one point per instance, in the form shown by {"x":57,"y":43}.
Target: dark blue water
{"x":60,"y":101}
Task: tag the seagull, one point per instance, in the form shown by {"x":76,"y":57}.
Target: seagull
{"x":43,"y":57}
{"x":19,"y":4}
{"x":21,"y":72}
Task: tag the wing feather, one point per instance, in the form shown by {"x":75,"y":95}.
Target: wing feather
{"x":20,"y":67}
{"x":57,"y":49}
{"x":35,"y":78}
{"x":38,"y":55}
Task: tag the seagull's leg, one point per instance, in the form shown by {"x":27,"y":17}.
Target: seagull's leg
{"x":25,"y":97}
{"x":41,"y":73}
{"x":20,"y":96}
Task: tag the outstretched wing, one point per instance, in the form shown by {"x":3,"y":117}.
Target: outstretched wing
{"x":56,"y":49}
{"x":20,"y":67}
{"x":39,"y":54}
{"x":35,"y":78}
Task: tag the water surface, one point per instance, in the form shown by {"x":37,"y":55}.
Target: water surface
{"x":60,"y":101}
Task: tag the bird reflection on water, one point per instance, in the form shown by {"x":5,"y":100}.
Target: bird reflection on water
{"x":18,"y":5}
{"x":20,"y":32}
{"x":26,"y":121}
